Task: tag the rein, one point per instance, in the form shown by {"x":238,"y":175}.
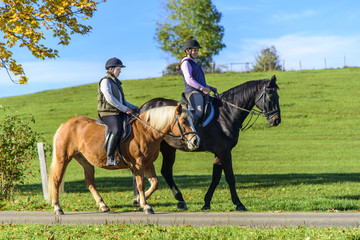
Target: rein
{"x":165,"y":134}
{"x":252,"y":112}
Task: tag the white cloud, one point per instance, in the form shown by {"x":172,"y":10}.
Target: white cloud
{"x":54,"y":74}
{"x":311,"y":51}
{"x":284,"y":16}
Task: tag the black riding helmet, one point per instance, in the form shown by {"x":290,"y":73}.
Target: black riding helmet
{"x":113,"y":62}
{"x":192,"y":43}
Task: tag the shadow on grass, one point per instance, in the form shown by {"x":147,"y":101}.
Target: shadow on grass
{"x":348,"y":197}
{"x":110,"y":184}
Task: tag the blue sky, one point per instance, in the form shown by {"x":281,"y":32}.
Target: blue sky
{"x":302,"y":31}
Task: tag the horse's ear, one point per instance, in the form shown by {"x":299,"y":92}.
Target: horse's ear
{"x":272,"y":81}
{"x":178,"y":109}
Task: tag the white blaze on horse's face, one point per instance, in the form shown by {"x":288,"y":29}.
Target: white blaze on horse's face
{"x":194,"y":142}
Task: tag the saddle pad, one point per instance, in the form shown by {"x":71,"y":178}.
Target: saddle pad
{"x":208,"y":114}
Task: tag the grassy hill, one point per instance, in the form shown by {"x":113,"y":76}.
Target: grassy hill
{"x":309,"y":162}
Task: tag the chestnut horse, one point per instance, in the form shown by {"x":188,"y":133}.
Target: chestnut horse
{"x":83,"y":139}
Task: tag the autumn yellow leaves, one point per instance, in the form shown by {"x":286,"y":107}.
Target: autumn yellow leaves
{"x":23,"y":23}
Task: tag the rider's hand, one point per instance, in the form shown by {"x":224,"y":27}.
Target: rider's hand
{"x":128,"y":111}
{"x":206,"y":90}
{"x":214,"y":89}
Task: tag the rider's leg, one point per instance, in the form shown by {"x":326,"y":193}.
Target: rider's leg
{"x":112,"y":143}
{"x":197,"y":102}
{"x":114,"y":122}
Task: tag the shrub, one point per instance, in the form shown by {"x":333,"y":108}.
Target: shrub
{"x":267,"y":60}
{"x":18,"y":145}
{"x":171,"y":69}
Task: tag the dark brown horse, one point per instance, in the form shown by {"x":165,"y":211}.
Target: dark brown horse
{"x":83,"y":139}
{"x":222,"y":133}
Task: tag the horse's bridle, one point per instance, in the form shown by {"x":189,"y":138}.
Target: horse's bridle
{"x":253,"y":112}
{"x":182,"y":133}
{"x":265,"y":113}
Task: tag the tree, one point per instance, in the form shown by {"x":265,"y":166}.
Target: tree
{"x":188,"y":19}
{"x":267,"y":60}
{"x":171,"y":70}
{"x":22,"y":23}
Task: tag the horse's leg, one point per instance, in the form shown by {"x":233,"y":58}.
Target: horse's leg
{"x":150,"y":174}
{"x":136,"y":191}
{"x":89,"y":173}
{"x":230,"y":179}
{"x":57,"y":171}
{"x":216,"y":176}
{"x":168,"y":154}
{"x":139,"y":175}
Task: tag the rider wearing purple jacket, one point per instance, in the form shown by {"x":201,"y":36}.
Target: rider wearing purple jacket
{"x":194,"y":79}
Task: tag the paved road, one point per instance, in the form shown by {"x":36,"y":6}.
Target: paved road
{"x":248,"y":219}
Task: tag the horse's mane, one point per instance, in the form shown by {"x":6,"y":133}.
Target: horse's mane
{"x":161,"y":117}
{"x":244,"y":91}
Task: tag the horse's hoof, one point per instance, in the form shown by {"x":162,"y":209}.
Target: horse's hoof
{"x":182,"y":205}
{"x":104,"y":209}
{"x":59,"y":212}
{"x":205,"y":208}
{"x":241,"y":208}
{"x":149,"y":211}
{"x":135,"y":201}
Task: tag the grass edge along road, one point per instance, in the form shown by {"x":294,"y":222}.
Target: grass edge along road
{"x":140,"y":231}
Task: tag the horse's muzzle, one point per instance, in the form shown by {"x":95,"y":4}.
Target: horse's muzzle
{"x":274,"y":120}
{"x":194,"y":142}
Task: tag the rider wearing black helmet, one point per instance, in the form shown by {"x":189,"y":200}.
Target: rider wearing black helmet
{"x":112,"y":105}
{"x":194,"y":78}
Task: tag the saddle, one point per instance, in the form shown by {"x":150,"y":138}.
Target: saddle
{"x":208,"y":113}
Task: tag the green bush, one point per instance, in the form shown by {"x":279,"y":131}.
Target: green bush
{"x":18,"y":145}
{"x":267,"y":60}
{"x":171,"y":70}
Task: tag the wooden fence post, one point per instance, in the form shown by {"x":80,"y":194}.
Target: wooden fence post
{"x":44,"y":176}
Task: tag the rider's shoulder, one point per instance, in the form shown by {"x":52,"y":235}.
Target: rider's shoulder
{"x":187,"y":60}
{"x":107,"y":78}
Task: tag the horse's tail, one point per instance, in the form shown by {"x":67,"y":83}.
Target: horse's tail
{"x":52,"y":168}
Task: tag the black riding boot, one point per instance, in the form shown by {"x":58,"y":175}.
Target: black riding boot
{"x":112,"y":143}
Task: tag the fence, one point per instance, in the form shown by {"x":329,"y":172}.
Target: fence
{"x":245,"y":66}
{"x":44,"y":175}
{"x":232,"y":67}
{"x":242,"y":67}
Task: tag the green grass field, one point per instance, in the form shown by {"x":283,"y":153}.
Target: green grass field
{"x":308,"y":163}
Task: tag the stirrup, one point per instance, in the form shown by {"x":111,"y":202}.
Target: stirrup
{"x":112,"y":162}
